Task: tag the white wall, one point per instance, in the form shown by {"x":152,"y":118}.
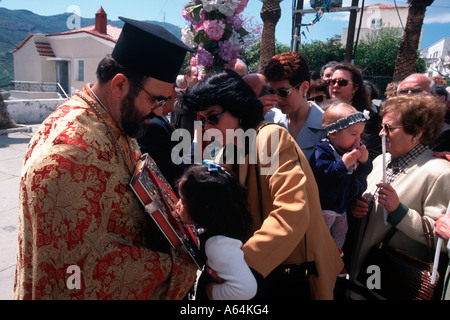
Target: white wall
{"x":32,"y":111}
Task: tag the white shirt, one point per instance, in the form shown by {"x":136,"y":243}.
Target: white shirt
{"x":226,"y":257}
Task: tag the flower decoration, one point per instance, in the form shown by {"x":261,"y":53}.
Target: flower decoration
{"x":215,"y":32}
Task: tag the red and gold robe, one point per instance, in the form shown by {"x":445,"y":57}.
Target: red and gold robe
{"x":78,"y":211}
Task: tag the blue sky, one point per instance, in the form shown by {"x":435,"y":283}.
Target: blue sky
{"x":436,"y":25}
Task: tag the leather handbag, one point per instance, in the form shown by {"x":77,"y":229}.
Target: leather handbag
{"x":402,"y":276}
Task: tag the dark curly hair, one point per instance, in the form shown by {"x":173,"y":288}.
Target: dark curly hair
{"x":418,"y":112}
{"x":216,"y":201}
{"x":289,"y":66}
{"x":226,"y":89}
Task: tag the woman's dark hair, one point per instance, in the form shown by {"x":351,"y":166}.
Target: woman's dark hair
{"x":108,"y":68}
{"x":359,"y":101}
{"x":228,"y":90}
{"x":216,"y":201}
{"x":418,"y":112}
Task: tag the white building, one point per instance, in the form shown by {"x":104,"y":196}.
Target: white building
{"x":437,"y":58}
{"x":377,"y":16}
{"x":69,"y":58}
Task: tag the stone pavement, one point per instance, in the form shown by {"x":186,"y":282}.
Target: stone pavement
{"x":12,"y":149}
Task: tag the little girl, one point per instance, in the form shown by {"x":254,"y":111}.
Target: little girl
{"x":212,"y":199}
{"x":341,"y":165}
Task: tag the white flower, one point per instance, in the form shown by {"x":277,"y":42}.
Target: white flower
{"x":187,"y":36}
{"x":210,"y":5}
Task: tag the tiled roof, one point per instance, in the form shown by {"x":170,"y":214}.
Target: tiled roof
{"x":112,"y":35}
{"x":44,"y":49}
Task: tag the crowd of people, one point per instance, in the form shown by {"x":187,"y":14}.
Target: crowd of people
{"x":326,"y":175}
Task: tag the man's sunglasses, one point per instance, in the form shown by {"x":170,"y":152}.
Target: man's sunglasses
{"x":339,"y":82}
{"x":413,"y":90}
{"x":212,"y":119}
{"x":283,"y":93}
{"x":317,"y":99}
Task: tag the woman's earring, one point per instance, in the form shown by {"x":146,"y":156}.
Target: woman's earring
{"x":414,"y":139}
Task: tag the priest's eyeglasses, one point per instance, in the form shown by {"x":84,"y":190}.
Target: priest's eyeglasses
{"x":159,"y":101}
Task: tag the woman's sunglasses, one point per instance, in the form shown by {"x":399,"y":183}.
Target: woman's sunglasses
{"x":340,"y":82}
{"x":388,"y":128}
{"x":283,"y":93}
{"x":317,"y":99}
{"x":212,"y":119}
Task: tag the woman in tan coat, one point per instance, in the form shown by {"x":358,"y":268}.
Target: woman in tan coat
{"x":290,"y":238}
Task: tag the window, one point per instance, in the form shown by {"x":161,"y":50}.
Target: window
{"x":79,"y":70}
{"x":376,"y":24}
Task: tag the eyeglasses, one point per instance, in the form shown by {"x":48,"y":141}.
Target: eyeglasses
{"x":158,"y":102}
{"x":317,"y":99}
{"x":283,"y":93}
{"x":413,"y":90}
{"x":212,"y":119}
{"x":340,"y":82}
{"x":388,"y":128}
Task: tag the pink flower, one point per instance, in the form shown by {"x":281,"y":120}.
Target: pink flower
{"x":236,"y":21}
{"x":205,"y":58}
{"x":240,"y":8}
{"x":214,"y":29}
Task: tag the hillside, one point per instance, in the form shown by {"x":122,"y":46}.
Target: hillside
{"x":16,"y":25}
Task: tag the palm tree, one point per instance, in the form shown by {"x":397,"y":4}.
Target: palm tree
{"x":407,"y":53}
{"x":270,"y":14}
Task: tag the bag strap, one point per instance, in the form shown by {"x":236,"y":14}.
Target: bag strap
{"x":259,"y":183}
{"x":428,"y":233}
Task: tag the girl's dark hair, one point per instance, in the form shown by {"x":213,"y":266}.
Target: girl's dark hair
{"x":216,"y":201}
{"x":228,"y":90}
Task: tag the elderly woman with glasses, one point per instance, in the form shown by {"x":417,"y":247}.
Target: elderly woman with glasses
{"x":289,"y":79}
{"x":416,"y":183}
{"x":289,"y":239}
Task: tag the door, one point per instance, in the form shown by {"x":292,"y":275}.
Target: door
{"x":62,"y":75}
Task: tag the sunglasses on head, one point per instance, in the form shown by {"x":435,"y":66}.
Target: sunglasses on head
{"x":212,"y":119}
{"x":339,"y":82}
{"x":413,"y":90}
{"x":317,"y":99}
{"x":283,"y":93}
{"x":388,"y":128}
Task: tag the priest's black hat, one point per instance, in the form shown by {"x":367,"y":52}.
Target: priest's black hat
{"x":150,"y":49}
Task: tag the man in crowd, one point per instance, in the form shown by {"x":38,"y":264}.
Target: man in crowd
{"x":83,"y":234}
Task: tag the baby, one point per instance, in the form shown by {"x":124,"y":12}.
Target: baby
{"x":341,"y":165}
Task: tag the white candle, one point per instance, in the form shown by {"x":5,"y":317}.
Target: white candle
{"x":383,"y":150}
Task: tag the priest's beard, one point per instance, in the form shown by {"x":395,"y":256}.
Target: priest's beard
{"x":132,"y":123}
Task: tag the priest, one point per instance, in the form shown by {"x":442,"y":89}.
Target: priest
{"x":83,"y":234}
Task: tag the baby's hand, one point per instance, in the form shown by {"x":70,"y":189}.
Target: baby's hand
{"x":349,"y":158}
{"x":364,"y":153}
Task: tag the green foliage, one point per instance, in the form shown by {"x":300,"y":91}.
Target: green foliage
{"x":319,"y":53}
{"x":251,"y":55}
{"x":376,"y":56}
